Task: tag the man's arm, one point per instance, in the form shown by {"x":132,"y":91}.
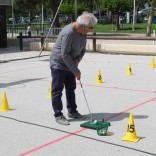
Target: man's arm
{"x":65,"y":53}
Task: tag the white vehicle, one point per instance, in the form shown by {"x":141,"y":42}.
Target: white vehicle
{"x":143,"y":12}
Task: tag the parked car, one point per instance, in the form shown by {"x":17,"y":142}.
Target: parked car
{"x":143,"y":12}
{"x":11,"y":21}
{"x":103,"y":19}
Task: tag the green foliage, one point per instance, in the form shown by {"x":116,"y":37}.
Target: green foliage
{"x":68,"y":7}
{"x":118,"y":5}
{"x":27,"y":5}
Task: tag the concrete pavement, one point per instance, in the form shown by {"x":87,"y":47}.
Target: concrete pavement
{"x":29,"y":129}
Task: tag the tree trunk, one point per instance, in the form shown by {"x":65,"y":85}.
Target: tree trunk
{"x":90,"y":4}
{"x":117,"y":22}
{"x":54,"y":7}
{"x":150,"y":18}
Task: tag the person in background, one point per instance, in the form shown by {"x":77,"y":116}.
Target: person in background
{"x":64,"y":60}
{"x":29,"y":30}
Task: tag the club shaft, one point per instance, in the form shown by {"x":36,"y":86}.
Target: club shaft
{"x":86,"y":101}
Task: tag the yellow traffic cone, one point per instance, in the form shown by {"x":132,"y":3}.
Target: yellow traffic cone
{"x":131,"y":132}
{"x":129,"y":70}
{"x":50,"y":90}
{"x":152,"y":63}
{"x":4,"y":106}
{"x":99,"y":78}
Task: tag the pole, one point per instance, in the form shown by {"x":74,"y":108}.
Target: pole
{"x":42,"y":16}
{"x":154,"y":36}
{"x":75,"y":10}
{"x":133,"y":17}
{"x":12,"y":16}
{"x":13,"y":11}
{"x":91,"y":117}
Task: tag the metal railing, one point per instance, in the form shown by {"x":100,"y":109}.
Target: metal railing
{"x":14,"y":30}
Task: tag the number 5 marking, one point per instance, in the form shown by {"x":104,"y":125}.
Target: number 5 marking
{"x":130,"y":128}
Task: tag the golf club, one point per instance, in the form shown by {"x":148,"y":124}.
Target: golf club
{"x":86,"y":101}
{"x":99,"y":125}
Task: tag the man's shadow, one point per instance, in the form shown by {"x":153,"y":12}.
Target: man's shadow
{"x":109,"y":117}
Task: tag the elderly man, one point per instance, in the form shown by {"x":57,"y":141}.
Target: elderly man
{"x":65,"y":57}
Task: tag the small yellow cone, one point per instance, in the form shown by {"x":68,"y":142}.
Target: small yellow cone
{"x":152,"y":63}
{"x":129,"y":70}
{"x":99,"y":78}
{"x":50,"y":90}
{"x":4,"y":106}
{"x":131,"y":132}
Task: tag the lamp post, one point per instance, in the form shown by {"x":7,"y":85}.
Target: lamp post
{"x":42,"y":16}
{"x":133,"y":17}
{"x":75,"y":9}
{"x":12,"y":17}
{"x":13,"y":12}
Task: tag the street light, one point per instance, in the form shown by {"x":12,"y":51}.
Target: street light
{"x":42,"y":16}
{"x":12,"y":16}
{"x":75,"y":10}
{"x":133,"y":17}
{"x":13,"y":12}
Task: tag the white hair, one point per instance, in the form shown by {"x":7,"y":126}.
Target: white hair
{"x":86,"y":19}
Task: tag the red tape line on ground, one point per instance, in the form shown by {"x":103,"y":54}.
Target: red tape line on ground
{"x":83,"y":129}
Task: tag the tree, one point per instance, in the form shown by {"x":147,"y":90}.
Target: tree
{"x":27,"y":5}
{"x":150,"y":18}
{"x":117,"y":7}
{"x":91,"y":4}
{"x":140,"y":4}
{"x":68,"y":8}
{"x":54,"y":4}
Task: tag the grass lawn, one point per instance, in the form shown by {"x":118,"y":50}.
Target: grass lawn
{"x":124,"y":28}
{"x":99,"y":28}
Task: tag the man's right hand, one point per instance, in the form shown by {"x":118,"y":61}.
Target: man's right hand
{"x":78,"y":75}
{"x":76,"y":62}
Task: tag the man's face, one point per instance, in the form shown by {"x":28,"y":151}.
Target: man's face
{"x":86,"y":29}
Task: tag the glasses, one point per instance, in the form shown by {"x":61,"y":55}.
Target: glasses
{"x":89,"y":27}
